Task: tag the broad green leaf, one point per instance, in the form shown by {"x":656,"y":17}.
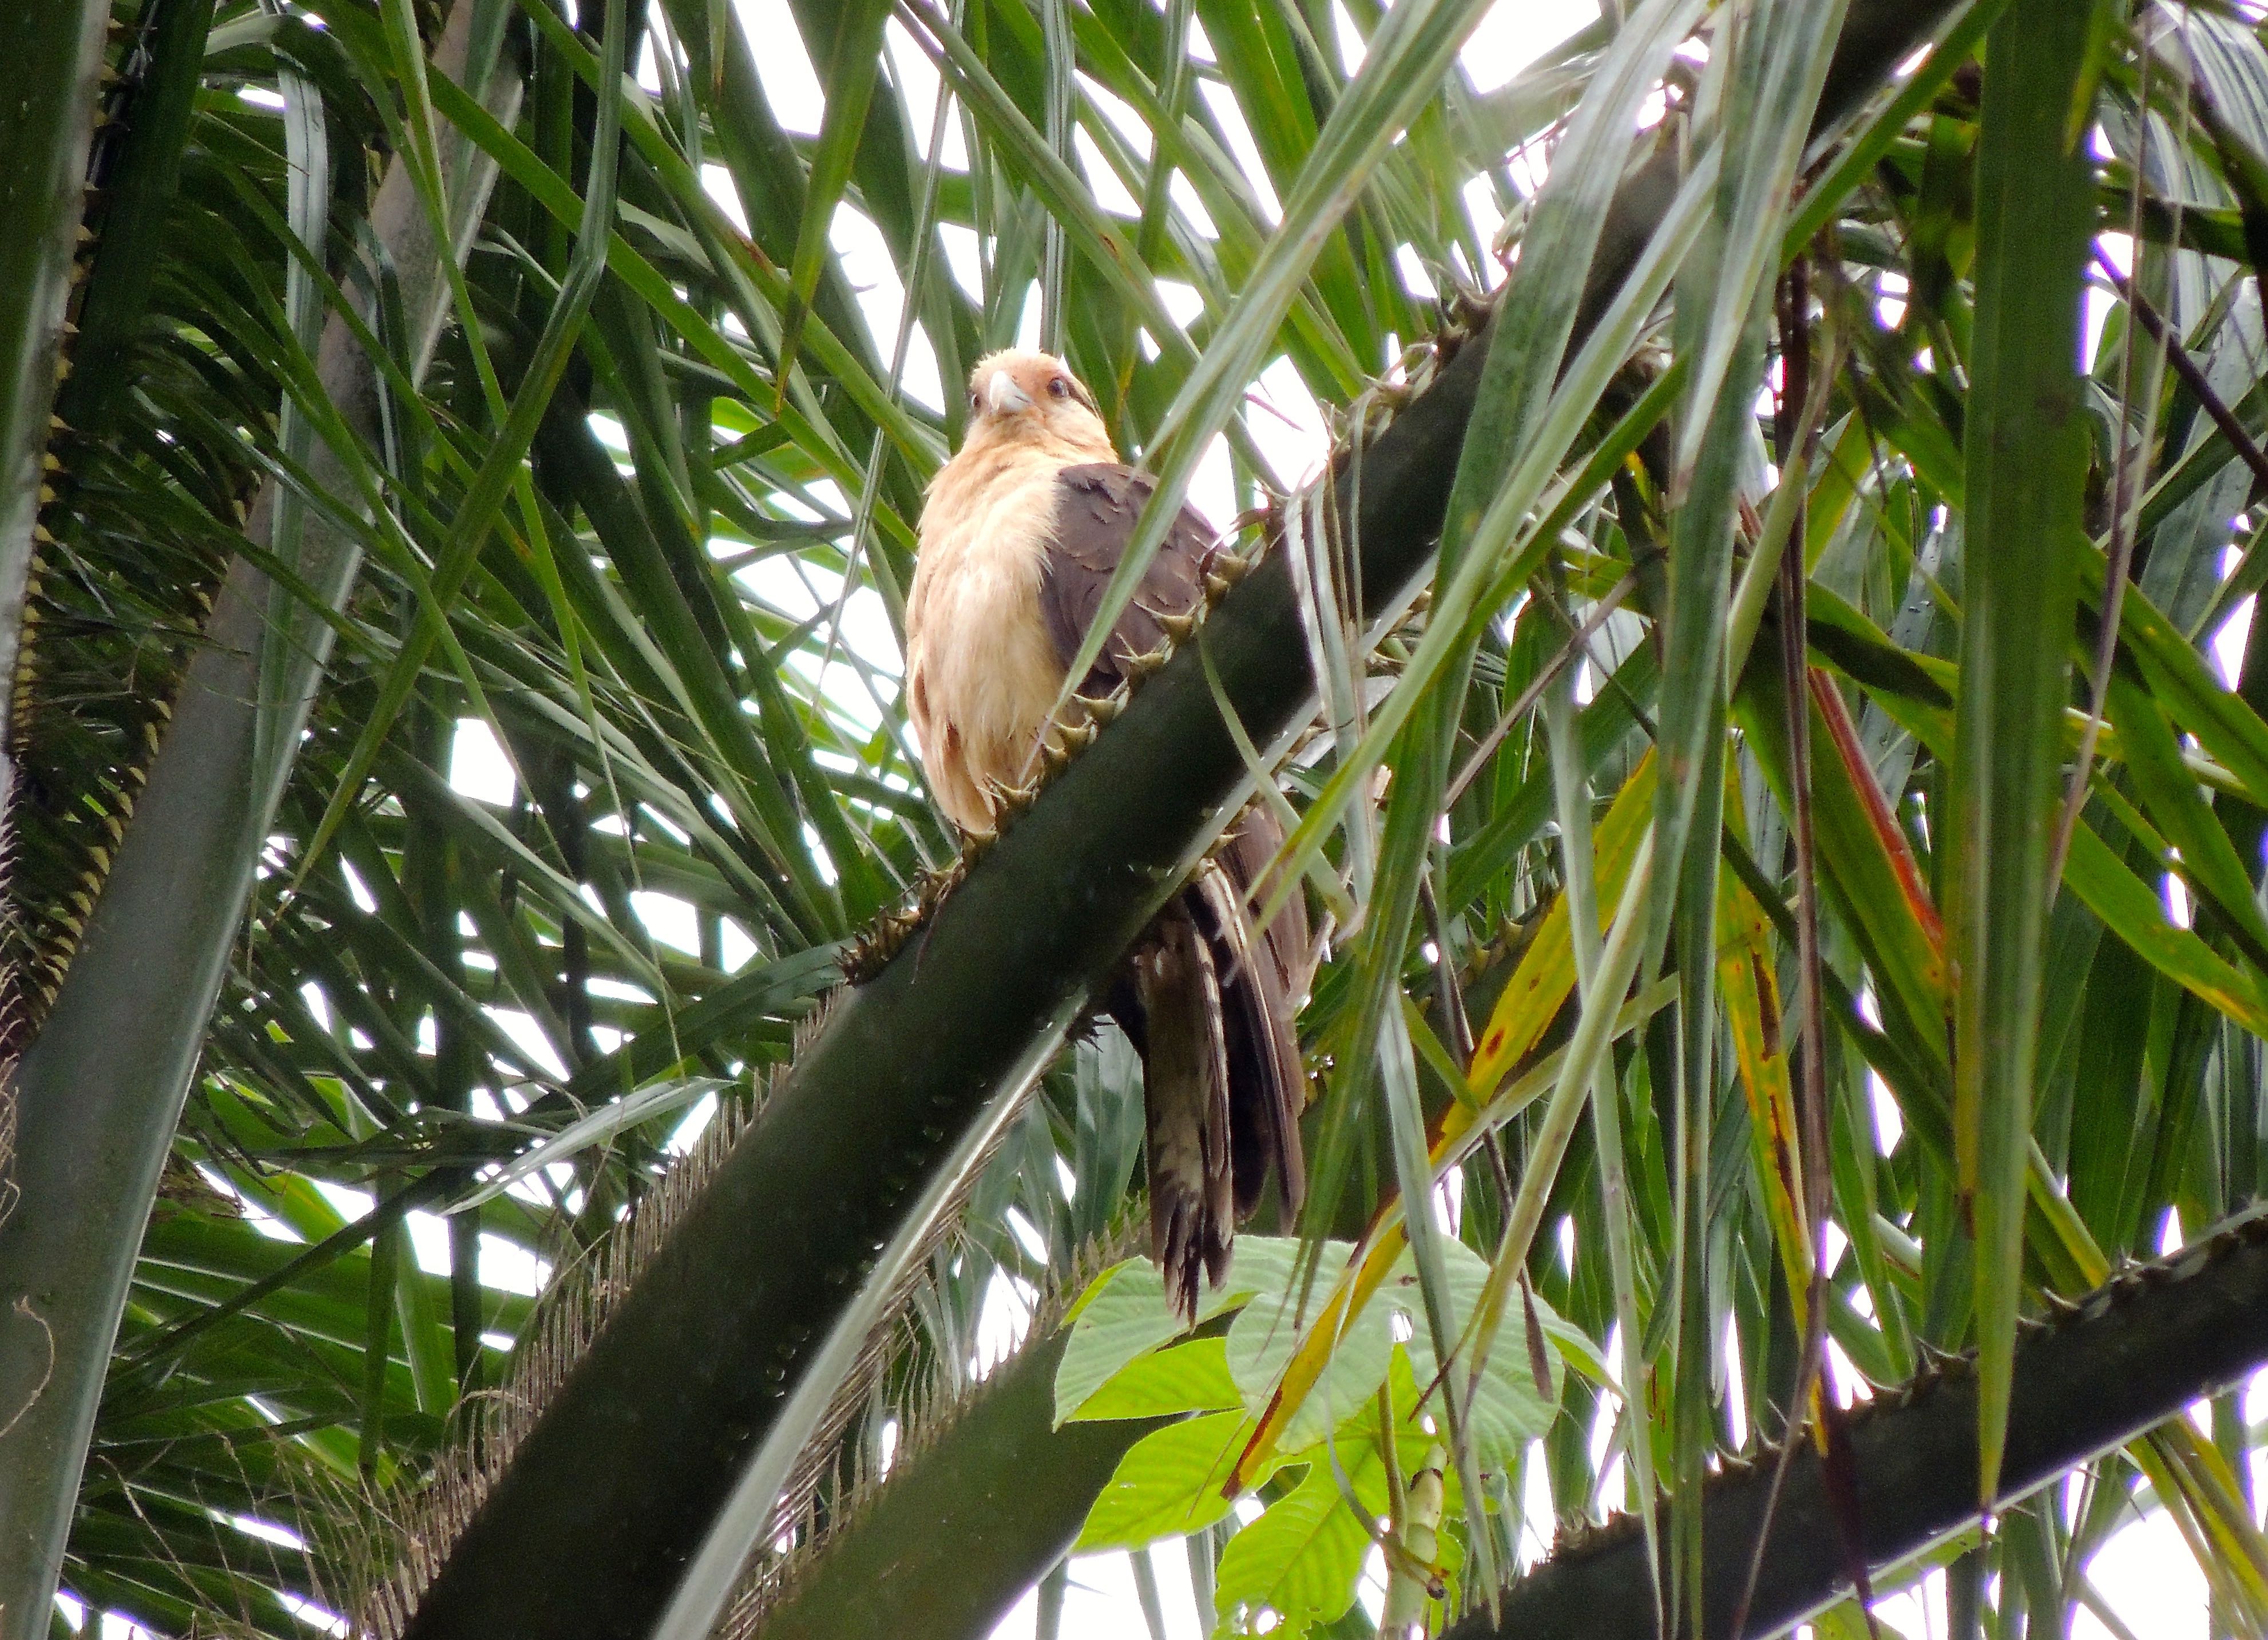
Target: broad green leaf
{"x":1266,"y":1334}
{"x":1509,"y":1407}
{"x":1193,"y":1377}
{"x":1169,"y":1483}
{"x":1301,"y":1559}
{"x":1122,"y":1315}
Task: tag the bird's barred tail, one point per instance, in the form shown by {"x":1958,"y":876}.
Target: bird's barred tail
{"x":1225,"y":1088}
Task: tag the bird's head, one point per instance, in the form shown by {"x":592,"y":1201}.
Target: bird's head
{"x":1026,"y":397}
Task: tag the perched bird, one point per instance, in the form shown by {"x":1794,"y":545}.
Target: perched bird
{"x":1020,"y":536}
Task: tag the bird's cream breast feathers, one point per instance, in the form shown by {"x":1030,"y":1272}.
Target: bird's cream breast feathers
{"x":981,"y":670}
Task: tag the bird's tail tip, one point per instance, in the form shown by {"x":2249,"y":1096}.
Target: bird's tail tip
{"x":1189,"y":1245}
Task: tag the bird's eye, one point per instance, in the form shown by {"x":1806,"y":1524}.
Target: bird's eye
{"x":975,"y":405}
{"x":1060,"y":388}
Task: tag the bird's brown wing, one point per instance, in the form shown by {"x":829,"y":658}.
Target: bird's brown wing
{"x":1263,"y":972}
{"x":1210,"y":1000}
{"x":1096,"y":507}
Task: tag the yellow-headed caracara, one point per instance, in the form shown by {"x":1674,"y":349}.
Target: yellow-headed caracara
{"x":1021,"y":533}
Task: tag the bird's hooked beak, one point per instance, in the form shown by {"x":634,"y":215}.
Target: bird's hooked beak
{"x":1002,"y":396}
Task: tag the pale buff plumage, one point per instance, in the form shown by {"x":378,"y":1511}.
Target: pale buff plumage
{"x":978,"y":709}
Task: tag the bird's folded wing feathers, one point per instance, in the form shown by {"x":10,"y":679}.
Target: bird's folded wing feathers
{"x":1263,"y":974}
{"x":1215,"y":997}
{"x":1097,"y":505}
